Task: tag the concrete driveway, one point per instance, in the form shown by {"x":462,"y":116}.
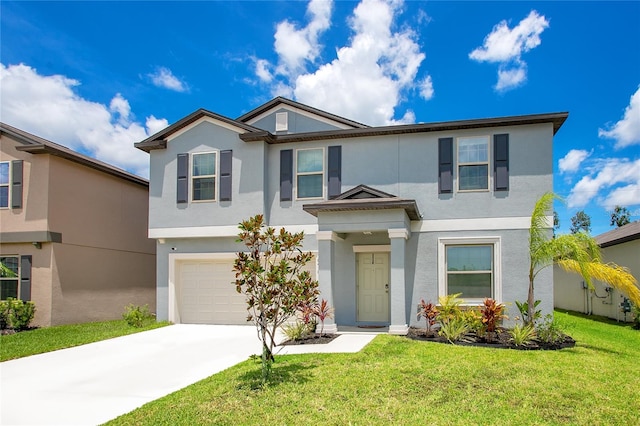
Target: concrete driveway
{"x":94,"y":383}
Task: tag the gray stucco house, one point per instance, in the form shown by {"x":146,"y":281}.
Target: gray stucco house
{"x":393,"y":214}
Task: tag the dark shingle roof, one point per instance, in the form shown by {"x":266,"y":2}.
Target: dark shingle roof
{"x":623,"y":234}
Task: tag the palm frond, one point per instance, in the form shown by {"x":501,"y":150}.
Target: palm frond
{"x":538,"y":232}
{"x":614,"y":275}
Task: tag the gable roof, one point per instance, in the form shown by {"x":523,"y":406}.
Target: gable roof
{"x":36,"y":145}
{"x":623,"y":234}
{"x":275,"y":102}
{"x":557,"y":119}
{"x":159,"y":140}
{"x":363,"y":197}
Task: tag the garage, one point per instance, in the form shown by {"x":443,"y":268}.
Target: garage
{"x":205,"y":293}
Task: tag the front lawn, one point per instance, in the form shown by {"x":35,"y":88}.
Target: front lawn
{"x":49,"y":339}
{"x":395,"y":380}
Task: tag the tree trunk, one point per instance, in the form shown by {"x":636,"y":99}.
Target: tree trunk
{"x":530,"y":300}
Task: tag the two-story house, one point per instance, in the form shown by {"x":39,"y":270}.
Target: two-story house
{"x":73,"y":230}
{"x":393,"y":214}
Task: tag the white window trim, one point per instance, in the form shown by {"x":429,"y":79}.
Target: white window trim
{"x":8,"y":185}
{"x":296,"y":174}
{"x":216,"y":176}
{"x":497,"y":264}
{"x":478,"y":163}
{"x":16,"y":278}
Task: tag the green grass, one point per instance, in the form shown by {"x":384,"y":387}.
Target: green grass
{"x":49,"y":339}
{"x":398,"y":381}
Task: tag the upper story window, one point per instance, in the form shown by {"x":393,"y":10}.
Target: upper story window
{"x":9,"y":277}
{"x":203,"y":176}
{"x":473,"y":163}
{"x":309,"y":173}
{"x":4,"y":184}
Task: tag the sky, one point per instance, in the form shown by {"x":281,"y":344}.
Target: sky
{"x":99,"y":76}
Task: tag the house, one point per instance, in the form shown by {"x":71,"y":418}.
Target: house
{"x":73,"y":230}
{"x":393,"y":214}
{"x":620,"y":246}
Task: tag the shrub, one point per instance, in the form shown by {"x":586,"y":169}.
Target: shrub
{"x":323,"y":311}
{"x":449,"y":308}
{"x":473,"y":319}
{"x":454,"y":329}
{"x":492,"y":313}
{"x":298,"y":330}
{"x":429,"y":312}
{"x":550,"y":330}
{"x":636,"y":317}
{"x":523,"y":307}
{"x":522,"y":335}
{"x":16,"y":314}
{"x":137,"y":316}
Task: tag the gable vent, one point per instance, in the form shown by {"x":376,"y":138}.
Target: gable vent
{"x":282,"y":122}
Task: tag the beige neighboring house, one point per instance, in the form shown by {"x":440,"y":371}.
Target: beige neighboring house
{"x":75,"y":231}
{"x":620,"y":246}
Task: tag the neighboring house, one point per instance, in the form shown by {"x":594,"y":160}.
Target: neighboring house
{"x":74,"y":230}
{"x":393,"y":214}
{"x":620,"y":246}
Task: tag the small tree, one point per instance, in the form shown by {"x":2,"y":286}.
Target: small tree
{"x":620,"y":216}
{"x":270,"y":275}
{"x":577,"y":252}
{"x":580,"y":222}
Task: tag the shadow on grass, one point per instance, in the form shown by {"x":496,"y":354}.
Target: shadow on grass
{"x":281,"y":372}
{"x":598,"y":349}
{"x":597,"y":318}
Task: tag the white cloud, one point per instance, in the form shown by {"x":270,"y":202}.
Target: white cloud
{"x":510,"y":77}
{"x":571,"y":162}
{"x":262,"y":71}
{"x":626,"y":131}
{"x":619,"y":175}
{"x":426,"y":88}
{"x":163,"y":77}
{"x":296,"y":46}
{"x":506,"y":46}
{"x":377,"y":67}
{"x":49,"y":107}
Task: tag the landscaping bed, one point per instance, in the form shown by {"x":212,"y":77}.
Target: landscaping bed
{"x":312,"y":339}
{"x":500,"y":339}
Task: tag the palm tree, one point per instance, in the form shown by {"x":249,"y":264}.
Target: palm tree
{"x":577,"y":253}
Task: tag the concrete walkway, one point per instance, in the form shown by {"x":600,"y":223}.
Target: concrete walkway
{"x":94,"y":383}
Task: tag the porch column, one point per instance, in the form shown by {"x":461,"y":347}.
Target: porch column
{"x":398,"y":239}
{"x":326,"y":242}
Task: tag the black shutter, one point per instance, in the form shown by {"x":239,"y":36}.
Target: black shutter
{"x":226,"y":158}
{"x":25,"y":277}
{"x":183,"y":178}
{"x":16,"y":184}
{"x":335,"y":171}
{"x":286,"y":175}
{"x":501,"y":162}
{"x":445,"y":165}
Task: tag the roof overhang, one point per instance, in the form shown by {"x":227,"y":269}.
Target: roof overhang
{"x":557,"y":119}
{"x":350,"y":205}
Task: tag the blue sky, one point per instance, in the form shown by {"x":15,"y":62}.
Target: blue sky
{"x":99,"y":76}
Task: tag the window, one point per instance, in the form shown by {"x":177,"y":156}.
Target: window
{"x":473,"y":163}
{"x":309,"y":173}
{"x":203,"y":175}
{"x":470,"y":266}
{"x":4,"y":184}
{"x":9,"y":277}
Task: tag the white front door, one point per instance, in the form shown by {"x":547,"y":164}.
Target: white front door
{"x":373,"y":287}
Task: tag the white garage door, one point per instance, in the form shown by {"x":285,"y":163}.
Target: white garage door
{"x":207,"y":295}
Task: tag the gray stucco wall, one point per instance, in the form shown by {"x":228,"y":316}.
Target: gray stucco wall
{"x":297,"y":123}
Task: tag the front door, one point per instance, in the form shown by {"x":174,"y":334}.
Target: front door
{"x":373,"y":287}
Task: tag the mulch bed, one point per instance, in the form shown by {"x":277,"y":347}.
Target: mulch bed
{"x":499,"y":339}
{"x":313,"y":339}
